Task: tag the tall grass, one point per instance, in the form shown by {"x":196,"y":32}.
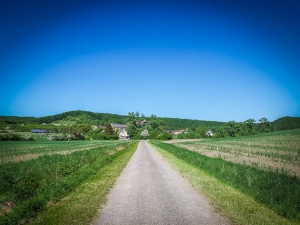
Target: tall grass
{"x":30,"y":185}
{"x":20,"y":151}
{"x":279,"y":192}
{"x":22,"y":147}
{"x":83,"y":204}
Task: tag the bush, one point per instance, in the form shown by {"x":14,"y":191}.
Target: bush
{"x":79,"y":136}
{"x":164,"y":136}
{"x":159,"y":135}
{"x":11,"y":137}
{"x":56,"y":137}
{"x":103,"y":136}
{"x":29,"y":138}
{"x":64,"y":137}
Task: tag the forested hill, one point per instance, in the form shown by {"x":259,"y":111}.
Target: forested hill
{"x":176,"y":123}
{"x":80,"y":116}
{"x":287,"y":123}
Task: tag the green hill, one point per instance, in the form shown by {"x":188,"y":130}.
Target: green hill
{"x":287,"y":123}
{"x":79,"y":116}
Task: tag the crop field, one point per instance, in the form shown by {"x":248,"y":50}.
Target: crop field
{"x":278,"y":151}
{"x":262,"y":168}
{"x":25,"y":150}
{"x":36,"y":175}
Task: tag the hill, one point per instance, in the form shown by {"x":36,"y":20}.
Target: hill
{"x":77,"y":115}
{"x":95,"y":118}
{"x":80,"y":116}
{"x":287,"y":123}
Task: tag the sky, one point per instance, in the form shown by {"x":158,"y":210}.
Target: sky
{"x":208,"y":60}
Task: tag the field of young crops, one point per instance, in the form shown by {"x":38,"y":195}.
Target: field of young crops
{"x":279,"y":151}
{"x":35,"y":174}
{"x":265,"y":168}
{"x":14,"y":151}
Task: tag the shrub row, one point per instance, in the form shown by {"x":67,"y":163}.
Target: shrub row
{"x":277,"y":191}
{"x":16,"y":137}
{"x":102,"y":136}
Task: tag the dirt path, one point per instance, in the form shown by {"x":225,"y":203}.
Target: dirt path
{"x":149,"y":191}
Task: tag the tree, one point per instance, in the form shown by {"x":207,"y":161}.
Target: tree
{"x":109,"y":130}
{"x":250,"y":126}
{"x":264,"y":125}
{"x":83,"y":128}
{"x":231,"y":128}
{"x":202,"y":131}
{"x":154,"y":122}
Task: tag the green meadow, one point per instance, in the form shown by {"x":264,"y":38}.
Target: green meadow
{"x":36,"y":176}
{"x":240,"y":187}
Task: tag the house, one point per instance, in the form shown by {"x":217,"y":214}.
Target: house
{"x":143,"y":122}
{"x":117,"y":126}
{"x":123,"y":134}
{"x":121,"y":130}
{"x":176,"y":132}
{"x":210,"y":133}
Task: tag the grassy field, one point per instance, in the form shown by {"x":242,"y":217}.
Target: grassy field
{"x":31,"y":185}
{"x":25,"y":150}
{"x":278,"y":151}
{"x":246,"y":192}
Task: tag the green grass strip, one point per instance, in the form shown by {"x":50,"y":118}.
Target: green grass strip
{"x":37,"y":191}
{"x":230,"y":202}
{"x":279,"y":192}
{"x":83,"y":204}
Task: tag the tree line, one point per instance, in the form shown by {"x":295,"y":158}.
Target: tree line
{"x":153,"y":127}
{"x":230,"y":129}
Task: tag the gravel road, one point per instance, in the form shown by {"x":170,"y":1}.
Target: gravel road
{"x":149,"y":191}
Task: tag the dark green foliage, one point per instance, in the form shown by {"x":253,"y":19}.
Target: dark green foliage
{"x":279,"y":192}
{"x":83,"y":128}
{"x":80,"y":115}
{"x":103,"y":136}
{"x":265,"y":125}
{"x":176,"y":123}
{"x":107,"y":134}
{"x":15,"y":137}
{"x":109,"y":130}
{"x":164,"y":136}
{"x":286,"y":123}
{"x":79,"y":136}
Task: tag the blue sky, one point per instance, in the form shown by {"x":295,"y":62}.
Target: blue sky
{"x":208,"y":60}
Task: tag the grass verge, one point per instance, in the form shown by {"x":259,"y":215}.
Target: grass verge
{"x":239,"y":207}
{"x":83,"y":204}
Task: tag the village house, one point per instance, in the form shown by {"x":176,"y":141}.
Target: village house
{"x":210,"y":133}
{"x":176,"y":132}
{"x":117,"y":126}
{"x":123,"y":135}
{"x":121,"y":130}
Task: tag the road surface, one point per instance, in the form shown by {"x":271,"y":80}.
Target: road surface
{"x":149,"y":191}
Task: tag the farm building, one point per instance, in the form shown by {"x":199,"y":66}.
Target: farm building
{"x":40,"y":131}
{"x":117,"y":126}
{"x":121,"y":130}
